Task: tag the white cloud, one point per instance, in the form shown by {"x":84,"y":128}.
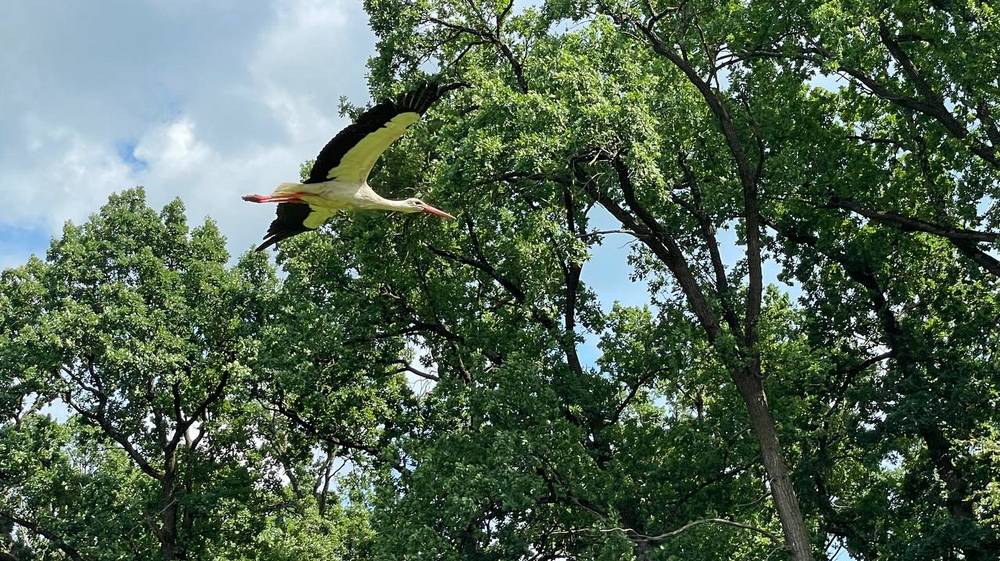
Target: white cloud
{"x":59,"y":177}
{"x":173,"y":148}
{"x":210,"y":183}
{"x":313,"y":54}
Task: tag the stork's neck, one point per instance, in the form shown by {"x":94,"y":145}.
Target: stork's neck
{"x":393,"y":205}
{"x":377,"y":202}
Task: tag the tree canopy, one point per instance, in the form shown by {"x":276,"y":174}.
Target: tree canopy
{"x":412,"y":389}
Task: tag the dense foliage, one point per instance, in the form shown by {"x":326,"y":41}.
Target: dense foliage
{"x":414,"y":389}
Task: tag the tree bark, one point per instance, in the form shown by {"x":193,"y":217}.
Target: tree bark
{"x":751,"y":388}
{"x":168,"y":515}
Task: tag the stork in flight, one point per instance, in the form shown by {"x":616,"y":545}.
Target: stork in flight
{"x":339,"y":178}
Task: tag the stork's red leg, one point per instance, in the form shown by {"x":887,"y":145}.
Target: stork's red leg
{"x":281,"y":198}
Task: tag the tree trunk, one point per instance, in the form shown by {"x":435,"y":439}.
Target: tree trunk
{"x":787,"y":504}
{"x":168,"y":520}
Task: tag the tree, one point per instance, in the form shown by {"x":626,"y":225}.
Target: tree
{"x":682,"y":121}
{"x":608,"y":154}
{"x":140,"y":333}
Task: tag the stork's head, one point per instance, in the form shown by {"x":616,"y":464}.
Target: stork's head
{"x":416,"y":205}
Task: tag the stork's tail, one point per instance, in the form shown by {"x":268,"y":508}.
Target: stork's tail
{"x":286,"y":188}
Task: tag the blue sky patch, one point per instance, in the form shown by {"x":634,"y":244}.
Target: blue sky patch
{"x":18,"y":243}
{"x":126,"y":151}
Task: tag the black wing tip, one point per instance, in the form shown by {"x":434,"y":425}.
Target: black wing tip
{"x":271,"y":239}
{"x":268,"y":242}
{"x":288,"y":223}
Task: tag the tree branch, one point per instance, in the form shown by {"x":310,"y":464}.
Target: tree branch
{"x":707,"y":231}
{"x":966,"y":241}
{"x":571,"y":273}
{"x":494,"y":39}
{"x":315,"y":431}
{"x":657,"y":539}
{"x":40,"y":530}
{"x":662,"y":244}
{"x":109,"y":429}
{"x":849,"y":375}
{"x":909,"y":224}
{"x":972,"y":251}
{"x":416,"y":372}
{"x":748,"y":180}
{"x":216,"y":394}
{"x":483,"y":265}
{"x":721,"y":521}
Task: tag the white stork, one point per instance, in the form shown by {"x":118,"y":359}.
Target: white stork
{"x":339,"y":178}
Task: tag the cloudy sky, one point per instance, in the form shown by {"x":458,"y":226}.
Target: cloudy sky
{"x":201,"y":100}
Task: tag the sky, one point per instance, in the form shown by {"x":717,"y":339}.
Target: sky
{"x":202,"y":101}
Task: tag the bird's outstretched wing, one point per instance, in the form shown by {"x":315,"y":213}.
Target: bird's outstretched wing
{"x":350,"y":155}
{"x":294,"y":218}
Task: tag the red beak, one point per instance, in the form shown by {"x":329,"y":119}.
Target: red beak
{"x":436,"y":211}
